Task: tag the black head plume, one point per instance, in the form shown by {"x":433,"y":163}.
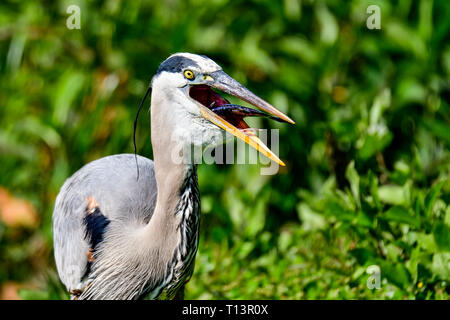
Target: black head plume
{"x":134,"y":129}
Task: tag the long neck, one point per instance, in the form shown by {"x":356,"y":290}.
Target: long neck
{"x":175,"y":178}
{"x":172,"y":180}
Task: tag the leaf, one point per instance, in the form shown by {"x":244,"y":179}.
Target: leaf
{"x":27,"y":294}
{"x":441,"y":233}
{"x":300,"y":48}
{"x":352,"y":176}
{"x":413,"y":263}
{"x":236,"y":208}
{"x":36,"y":127}
{"x":441,"y":265}
{"x":426,"y":242}
{"x":439,"y":128}
{"x":431,"y":197}
{"x":69,"y":85}
{"x":335,"y":209}
{"x":284,"y":240}
{"x":245,"y":249}
{"x":405,"y":38}
{"x":401,"y":215}
{"x":257,"y":217}
{"x":392,"y":194}
{"x":329,"y":28}
{"x":363,"y":255}
{"x":447,"y":216}
{"x":393,"y":251}
{"x":396,"y":274}
{"x":364,"y":219}
{"x":311,"y":220}
{"x":373,"y":181}
{"x":374,"y":143}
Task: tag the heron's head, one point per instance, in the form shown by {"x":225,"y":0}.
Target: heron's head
{"x":185,"y":85}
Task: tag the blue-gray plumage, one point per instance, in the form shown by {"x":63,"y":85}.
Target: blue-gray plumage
{"x":119,"y":237}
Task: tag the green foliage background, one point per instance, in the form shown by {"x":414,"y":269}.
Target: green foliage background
{"x":368,"y":162}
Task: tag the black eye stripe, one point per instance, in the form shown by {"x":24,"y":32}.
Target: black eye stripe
{"x":177,"y":64}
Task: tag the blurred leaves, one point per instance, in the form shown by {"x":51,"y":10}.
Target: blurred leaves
{"x":368,"y":161}
{"x":401,"y":215}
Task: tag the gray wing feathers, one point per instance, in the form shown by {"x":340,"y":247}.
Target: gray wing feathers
{"x":111,"y":181}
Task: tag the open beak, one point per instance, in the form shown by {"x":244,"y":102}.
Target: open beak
{"x":230,"y":117}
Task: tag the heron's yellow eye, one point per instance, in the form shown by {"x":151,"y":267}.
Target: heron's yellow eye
{"x":189,"y":74}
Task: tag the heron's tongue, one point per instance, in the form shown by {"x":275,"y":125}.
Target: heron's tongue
{"x":207,"y":97}
{"x":232,"y":113}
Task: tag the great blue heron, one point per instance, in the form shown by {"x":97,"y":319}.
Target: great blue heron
{"x":118,"y":237}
